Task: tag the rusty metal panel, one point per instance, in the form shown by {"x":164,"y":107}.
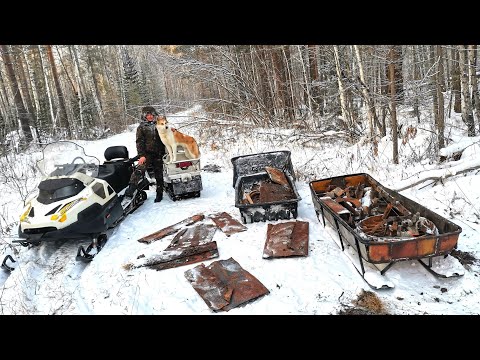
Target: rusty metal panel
{"x":355,"y":180}
{"x":224,"y":284}
{"x":337,"y":208}
{"x":354,"y":201}
{"x":185,"y":255}
{"x":320,"y":186}
{"x":426,"y":247}
{"x":192,"y":236}
{"x":190,"y":245}
{"x":277,"y":176}
{"x":379,"y":253}
{"x":226,"y":223}
{"x":448,"y":243}
{"x":286,"y":239}
{"x":405,"y":249}
{"x":270,"y":192}
{"x":172,"y":229}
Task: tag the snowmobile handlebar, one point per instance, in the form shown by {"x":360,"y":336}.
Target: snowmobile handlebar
{"x":132,"y":160}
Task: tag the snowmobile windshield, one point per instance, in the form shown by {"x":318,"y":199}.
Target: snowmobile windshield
{"x":64,"y":158}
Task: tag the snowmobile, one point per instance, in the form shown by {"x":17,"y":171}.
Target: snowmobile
{"x":80,"y":199}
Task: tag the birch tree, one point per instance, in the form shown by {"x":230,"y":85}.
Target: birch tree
{"x":23,"y":115}
{"x":61,"y":100}
{"x":467,"y":114}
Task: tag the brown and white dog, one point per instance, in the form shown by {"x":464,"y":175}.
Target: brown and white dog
{"x":172,"y":138}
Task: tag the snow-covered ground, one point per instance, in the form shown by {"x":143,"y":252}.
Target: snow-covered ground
{"x":48,"y":280}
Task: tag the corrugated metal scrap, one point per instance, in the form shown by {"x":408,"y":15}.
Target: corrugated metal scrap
{"x":224,"y":284}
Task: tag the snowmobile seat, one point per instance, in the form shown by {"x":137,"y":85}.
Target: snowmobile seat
{"x":116,"y":153}
{"x":117,"y":174}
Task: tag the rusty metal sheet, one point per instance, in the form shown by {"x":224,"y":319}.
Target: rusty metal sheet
{"x":172,"y":229}
{"x":226,"y":223}
{"x":337,"y":208}
{"x":286,"y":239}
{"x":277,"y":176}
{"x":354,"y":201}
{"x":190,"y":245}
{"x":191,"y":236}
{"x":224,"y":284}
{"x":270,"y":192}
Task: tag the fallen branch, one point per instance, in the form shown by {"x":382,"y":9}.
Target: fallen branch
{"x":446,"y":175}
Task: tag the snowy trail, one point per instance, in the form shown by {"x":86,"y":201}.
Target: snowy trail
{"x":104,"y":287}
{"x":320,"y":283}
{"x":44,"y":281}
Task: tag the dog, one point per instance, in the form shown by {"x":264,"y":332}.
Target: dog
{"x":172,"y":138}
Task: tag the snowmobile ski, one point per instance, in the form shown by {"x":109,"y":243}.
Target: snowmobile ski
{"x":4,"y":263}
{"x":87,"y":255}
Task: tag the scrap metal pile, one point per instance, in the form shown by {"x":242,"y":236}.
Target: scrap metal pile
{"x":376,"y":214}
{"x":265,"y":190}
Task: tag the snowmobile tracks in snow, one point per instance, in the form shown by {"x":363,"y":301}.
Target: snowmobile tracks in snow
{"x":51,"y":275}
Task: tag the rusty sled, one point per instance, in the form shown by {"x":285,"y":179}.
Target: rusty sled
{"x":384,"y":227}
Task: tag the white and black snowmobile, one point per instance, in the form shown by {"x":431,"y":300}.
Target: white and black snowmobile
{"x":79,"y":198}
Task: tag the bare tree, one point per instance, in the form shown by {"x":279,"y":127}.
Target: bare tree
{"x":372,"y":115}
{"x":472,"y":52}
{"x":467,"y":114}
{"x":439,"y":88}
{"x":58,"y":87}
{"x":23,"y":115}
{"x":456,"y":85}
{"x":347,"y":116}
{"x":393,"y":105}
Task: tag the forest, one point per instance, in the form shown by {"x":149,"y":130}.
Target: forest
{"x":51,"y":92}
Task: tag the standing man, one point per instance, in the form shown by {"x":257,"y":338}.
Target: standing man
{"x":150,"y":149}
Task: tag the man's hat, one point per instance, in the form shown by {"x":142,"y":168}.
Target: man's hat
{"x":148,"y":109}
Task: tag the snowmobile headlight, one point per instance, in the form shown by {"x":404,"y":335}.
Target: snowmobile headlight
{"x":61,"y":215}
{"x":25,"y":214}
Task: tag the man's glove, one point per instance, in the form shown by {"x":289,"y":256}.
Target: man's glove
{"x":142,"y":160}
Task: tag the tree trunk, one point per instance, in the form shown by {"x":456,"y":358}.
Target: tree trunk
{"x":441,"y":106}
{"x":61,"y":99}
{"x":398,"y":60}
{"x":24,"y":87}
{"x":23,"y":115}
{"x":288,"y":78}
{"x":314,"y":85}
{"x":347,"y":117}
{"x":393,"y":110}
{"x":49,"y":91}
{"x":306,"y":88}
{"x":81,"y":91}
{"x":9,"y":116}
{"x":467,"y":115}
{"x":97,"y":97}
{"x":372,"y":116}
{"x":472,"y":51}
{"x":433,"y":86}
{"x":456,"y":87}
{"x":416,"y":78}
{"x":281,"y":87}
{"x":264,"y":85}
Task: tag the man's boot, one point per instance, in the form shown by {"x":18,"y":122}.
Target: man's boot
{"x":129,"y":192}
{"x":159,"y":197}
